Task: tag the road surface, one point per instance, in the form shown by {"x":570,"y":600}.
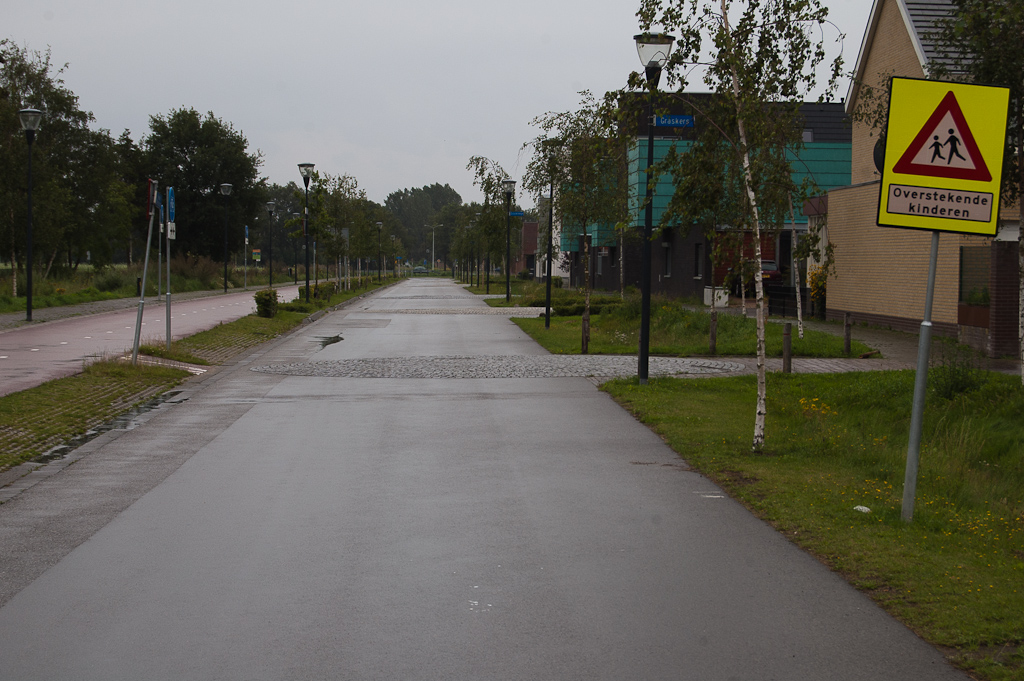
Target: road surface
{"x":384,"y":495}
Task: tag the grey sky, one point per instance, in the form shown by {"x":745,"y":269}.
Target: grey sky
{"x":399,"y":94}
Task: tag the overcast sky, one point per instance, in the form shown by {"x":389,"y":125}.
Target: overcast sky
{"x":399,"y":94}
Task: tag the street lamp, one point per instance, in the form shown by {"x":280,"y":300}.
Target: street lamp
{"x":654,"y":50}
{"x":225,"y":190}
{"x":30,"y":119}
{"x":510,"y":188}
{"x":295,"y":253}
{"x":270,"y":247}
{"x":306,"y":170}
{"x":380,"y":262}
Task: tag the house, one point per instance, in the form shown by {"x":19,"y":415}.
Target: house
{"x":681,"y":263}
{"x":881,"y":273}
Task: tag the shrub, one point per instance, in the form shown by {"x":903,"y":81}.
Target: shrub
{"x":112,"y":280}
{"x":266,"y":303}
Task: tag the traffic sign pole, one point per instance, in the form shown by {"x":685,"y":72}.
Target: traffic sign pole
{"x":170,"y":226}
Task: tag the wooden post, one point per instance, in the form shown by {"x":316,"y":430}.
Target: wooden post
{"x":787,"y":348}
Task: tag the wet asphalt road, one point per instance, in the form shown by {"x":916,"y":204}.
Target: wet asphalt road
{"x":276,"y":526}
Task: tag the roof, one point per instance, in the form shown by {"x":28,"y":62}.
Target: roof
{"x":920,"y":18}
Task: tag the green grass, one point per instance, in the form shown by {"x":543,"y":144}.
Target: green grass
{"x":956,"y":574}
{"x":33,"y":421}
{"x":679,"y":332}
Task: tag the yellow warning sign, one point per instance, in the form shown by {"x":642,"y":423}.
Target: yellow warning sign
{"x":943,"y":156}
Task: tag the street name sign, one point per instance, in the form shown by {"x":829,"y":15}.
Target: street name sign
{"x":943,"y":156}
{"x":170,"y":204}
{"x":673,"y":121}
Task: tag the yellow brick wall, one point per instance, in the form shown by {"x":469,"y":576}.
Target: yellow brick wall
{"x":883,"y":270}
{"x":891,"y":53}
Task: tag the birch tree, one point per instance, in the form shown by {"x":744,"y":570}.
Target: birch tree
{"x":761,"y":58}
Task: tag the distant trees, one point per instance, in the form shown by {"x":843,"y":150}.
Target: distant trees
{"x":81,"y":185}
{"x":417,"y":210}
{"x":196,"y":154}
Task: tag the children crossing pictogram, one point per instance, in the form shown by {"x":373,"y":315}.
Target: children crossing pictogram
{"x":945,"y":147}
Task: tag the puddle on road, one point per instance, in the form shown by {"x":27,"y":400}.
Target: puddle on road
{"x":324,"y":341}
{"x":126,"y":421}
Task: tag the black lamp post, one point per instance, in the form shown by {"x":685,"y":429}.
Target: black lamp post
{"x":225,"y":190}
{"x":510,"y":189}
{"x":295,"y":254}
{"x":654,"y":49}
{"x":306,"y":170}
{"x":30,"y":119}
{"x":270,"y":244}
{"x":380,"y":261}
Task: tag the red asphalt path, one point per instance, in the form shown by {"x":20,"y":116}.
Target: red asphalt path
{"x":36,"y":353}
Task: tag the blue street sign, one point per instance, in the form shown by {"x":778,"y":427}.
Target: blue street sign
{"x":247,"y":232}
{"x":170,"y":204}
{"x":673,"y":122}
{"x":516,"y":213}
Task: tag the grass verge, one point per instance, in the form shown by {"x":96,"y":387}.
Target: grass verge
{"x":678,"y":332}
{"x":956,"y":573}
{"x":35,"y":420}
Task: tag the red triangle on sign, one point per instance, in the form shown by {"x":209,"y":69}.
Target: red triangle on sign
{"x":931,"y":155}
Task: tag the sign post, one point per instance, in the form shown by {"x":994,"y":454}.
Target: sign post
{"x":170,"y":236}
{"x":942,"y":172}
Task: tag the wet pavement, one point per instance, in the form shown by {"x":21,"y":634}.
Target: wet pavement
{"x":358,"y":523}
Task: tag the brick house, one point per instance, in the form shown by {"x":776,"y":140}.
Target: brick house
{"x":882,"y":273}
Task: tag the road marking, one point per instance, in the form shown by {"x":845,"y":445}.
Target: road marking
{"x":34,"y":350}
{"x":63,"y":342}
{"x":3,"y":356}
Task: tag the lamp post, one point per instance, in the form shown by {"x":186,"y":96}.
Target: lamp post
{"x":306,"y":170}
{"x":295,"y":254}
{"x":510,"y":188}
{"x":270,"y":244}
{"x":380,"y":261}
{"x":30,"y":119}
{"x":654,"y":50}
{"x":225,"y":190}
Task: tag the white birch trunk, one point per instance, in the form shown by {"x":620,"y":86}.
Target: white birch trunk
{"x":748,"y":181}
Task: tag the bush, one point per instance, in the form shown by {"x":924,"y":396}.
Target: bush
{"x":525,"y":275}
{"x":266,"y":303}
{"x":113,"y":279}
{"x":556,"y":282}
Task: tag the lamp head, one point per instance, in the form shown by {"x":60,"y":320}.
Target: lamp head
{"x":654,"y":50}
{"x":306,"y":170}
{"x":509,"y":185}
{"x":30,"y":119}
{"x":271,"y":206}
{"x":225,"y":189}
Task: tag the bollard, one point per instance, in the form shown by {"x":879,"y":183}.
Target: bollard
{"x":847,"y":330}
{"x":138,"y":286}
{"x":787,"y":349}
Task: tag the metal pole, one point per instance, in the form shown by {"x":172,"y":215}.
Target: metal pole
{"x":551,"y":229}
{"x":305,"y":233}
{"x":920,"y":388}
{"x":145,"y":267}
{"x":508,"y":248}
{"x":645,"y":259}
{"x":167,"y":297}
{"x":30,"y":136}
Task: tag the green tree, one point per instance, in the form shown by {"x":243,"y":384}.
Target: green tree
{"x":417,"y":209}
{"x":196,"y":154}
{"x":980,"y":42}
{"x":760,"y":60}
{"x":80,"y":198}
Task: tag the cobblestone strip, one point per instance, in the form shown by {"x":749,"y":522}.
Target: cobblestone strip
{"x":501,"y":366}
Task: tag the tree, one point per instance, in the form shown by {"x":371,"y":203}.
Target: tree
{"x":417,"y":209}
{"x":588,"y":166}
{"x":80,"y":196}
{"x":196,"y":154}
{"x":980,"y":42}
{"x":761,"y":66}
